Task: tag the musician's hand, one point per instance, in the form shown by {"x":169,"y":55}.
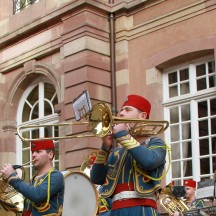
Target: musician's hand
{"x":176,"y":214}
{"x":120,"y":127}
{"x":107,"y":142}
{"x":7,"y":170}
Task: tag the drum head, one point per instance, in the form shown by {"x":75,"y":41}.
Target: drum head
{"x":80,"y":197}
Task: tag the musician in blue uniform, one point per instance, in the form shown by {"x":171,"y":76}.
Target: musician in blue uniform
{"x":191,"y":201}
{"x":131,"y":174}
{"x":44,"y":195}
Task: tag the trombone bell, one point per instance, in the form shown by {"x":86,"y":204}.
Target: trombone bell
{"x":100,"y":122}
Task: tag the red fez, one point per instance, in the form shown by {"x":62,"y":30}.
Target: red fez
{"x":42,"y":145}
{"x":139,"y":103}
{"x":190,"y":183}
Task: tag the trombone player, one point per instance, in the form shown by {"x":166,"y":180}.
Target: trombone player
{"x":44,"y":194}
{"x":131,"y":174}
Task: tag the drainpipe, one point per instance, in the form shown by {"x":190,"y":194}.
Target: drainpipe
{"x":112,"y":61}
{"x":113,"y":64}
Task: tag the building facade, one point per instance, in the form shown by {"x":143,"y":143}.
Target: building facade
{"x":51,"y":51}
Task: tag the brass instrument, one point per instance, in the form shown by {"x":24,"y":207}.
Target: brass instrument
{"x":170,"y":203}
{"x":10,"y":198}
{"x":100,"y":121}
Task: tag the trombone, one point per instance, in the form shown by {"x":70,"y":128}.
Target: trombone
{"x":99,"y":124}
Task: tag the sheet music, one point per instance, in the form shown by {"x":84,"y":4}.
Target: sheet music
{"x":82,"y":105}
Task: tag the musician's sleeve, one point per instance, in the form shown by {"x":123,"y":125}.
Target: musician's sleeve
{"x":149,"y":157}
{"x":99,"y":168}
{"x":37,"y":193}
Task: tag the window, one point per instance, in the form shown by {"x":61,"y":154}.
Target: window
{"x":37,"y":107}
{"x":190,"y":107}
{"x":19,"y":5}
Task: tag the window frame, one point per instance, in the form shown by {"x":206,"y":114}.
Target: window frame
{"x":50,"y":119}
{"x":193,"y":97}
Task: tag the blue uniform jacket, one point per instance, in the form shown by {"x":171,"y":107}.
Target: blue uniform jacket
{"x":143,"y":165}
{"x":104,"y":205}
{"x":39,"y":190}
{"x":197,"y":203}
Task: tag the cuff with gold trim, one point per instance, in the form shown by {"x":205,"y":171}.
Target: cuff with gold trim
{"x":12,"y":176}
{"x":101,"y":157}
{"x":125,"y":139}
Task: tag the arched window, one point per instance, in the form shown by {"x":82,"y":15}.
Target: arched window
{"x":37,"y":107}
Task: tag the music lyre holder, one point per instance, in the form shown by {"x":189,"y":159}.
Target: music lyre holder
{"x":82,"y":105}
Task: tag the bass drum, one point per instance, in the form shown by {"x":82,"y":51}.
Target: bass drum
{"x":80,"y":197}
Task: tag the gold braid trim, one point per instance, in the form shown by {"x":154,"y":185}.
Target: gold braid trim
{"x":56,"y":214}
{"x":105,"y":205}
{"x":101,"y":157}
{"x":12,"y":177}
{"x":167,"y":148}
{"x":44,"y":206}
{"x":128,"y":142}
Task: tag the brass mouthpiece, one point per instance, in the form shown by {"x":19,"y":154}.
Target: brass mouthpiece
{"x":19,"y":166}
